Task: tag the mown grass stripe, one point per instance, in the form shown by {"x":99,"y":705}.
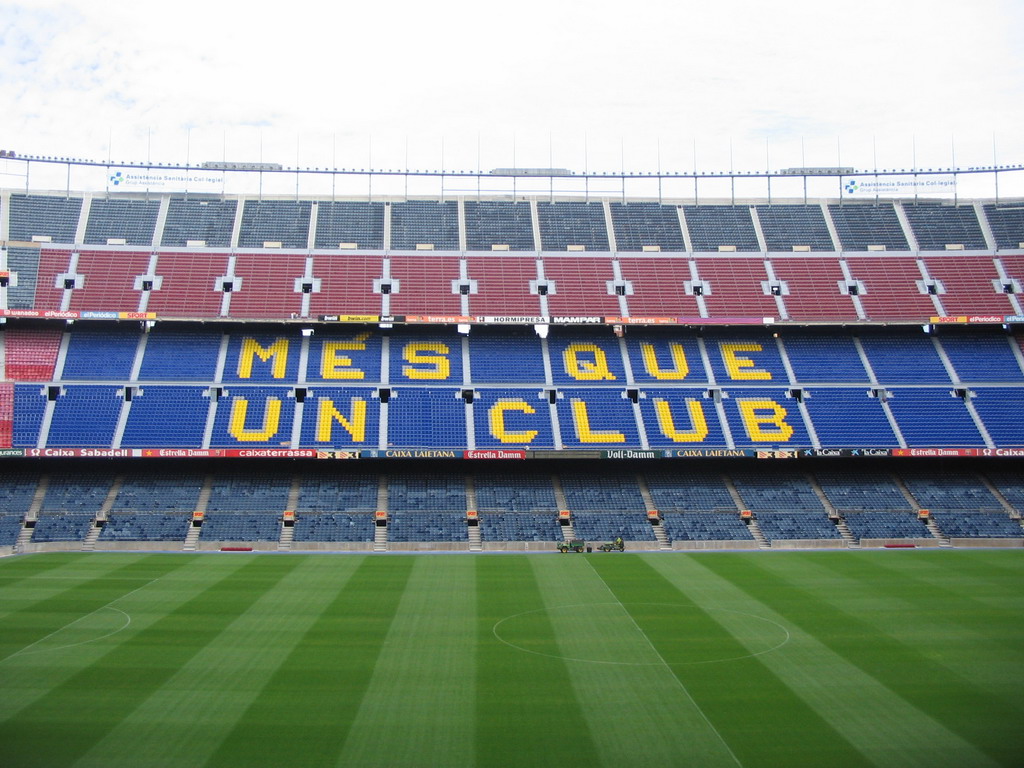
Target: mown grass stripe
{"x":633,"y":703}
{"x":88,"y":705}
{"x":950,"y":628}
{"x":880,"y":724}
{"x":62,"y":603}
{"x":425,"y":675}
{"x":308,"y":705}
{"x":527,"y":712}
{"x":786,"y":585}
{"x":186,"y":719}
{"x":745,"y":701}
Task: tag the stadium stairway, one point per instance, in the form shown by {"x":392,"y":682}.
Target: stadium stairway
{"x":938,"y":534}
{"x":661,"y":536}
{"x":757,"y":533}
{"x":475,"y":543}
{"x":192,"y":539}
{"x":284,"y":544}
{"x":380,"y":538}
{"x":89,"y":542}
{"x":24,"y":537}
{"x":844,"y":529}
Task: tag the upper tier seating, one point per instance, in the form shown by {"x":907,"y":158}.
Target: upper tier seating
{"x":935,"y":226}
{"x":498,"y":222}
{"x":275,"y":221}
{"x":425,"y":222}
{"x":207,"y":220}
{"x":714,"y":226}
{"x":133,"y":221}
{"x":640,"y":225}
{"x":1007,"y":223}
{"x":563,"y":224}
{"x":860,"y":225}
{"x":341,"y":221}
{"x":45,"y":216}
{"x":789,"y":226}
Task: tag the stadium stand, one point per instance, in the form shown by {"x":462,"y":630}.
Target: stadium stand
{"x":566,"y":224}
{"x":713,"y":227}
{"x":765,"y":351}
{"x":499,"y":223}
{"x":425,"y":223}
{"x":861,"y":226}
{"x":340,"y":221}
{"x":191,"y":220}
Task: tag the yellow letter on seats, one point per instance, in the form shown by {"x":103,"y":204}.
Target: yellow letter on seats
{"x":755,"y":419}
{"x":581,"y":420}
{"x":667,"y":424}
{"x":678,"y":372}
{"x":415,"y":353}
{"x":251,"y":348}
{"x":335,"y":366}
{"x":735,"y":364}
{"x":587,"y":370}
{"x":496,"y":418}
{"x":271,"y":420}
{"x":327,"y":414}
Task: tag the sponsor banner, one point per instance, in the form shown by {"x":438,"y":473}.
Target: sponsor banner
{"x":104,"y":453}
{"x":1014,"y":319}
{"x":447,"y":319}
{"x":134,"y":315}
{"x":574,"y":320}
{"x":350,"y":318}
{"x":888,"y":186}
{"x":338,"y":454}
{"x":994,"y":319}
{"x":935,"y":452}
{"x":707,"y":453}
{"x":777,"y":454}
{"x":91,"y":315}
{"x":270,"y":453}
{"x":494,"y":453}
{"x":641,"y":320}
{"x":169,"y":179}
{"x":413,"y":453}
{"x":41,"y":313}
{"x":844,"y":452}
{"x":182,"y":453}
{"x":1010,"y":453}
{"x":510,"y":320}
{"x":625,"y":453}
{"x":8,"y":452}
{"x":725,"y":320}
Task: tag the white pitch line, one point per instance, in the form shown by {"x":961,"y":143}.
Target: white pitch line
{"x":21,"y":651}
{"x":668,"y":666}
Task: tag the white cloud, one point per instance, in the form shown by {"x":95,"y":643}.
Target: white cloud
{"x":815,"y":80}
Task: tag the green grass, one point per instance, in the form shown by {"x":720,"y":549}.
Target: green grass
{"x":908,"y":658}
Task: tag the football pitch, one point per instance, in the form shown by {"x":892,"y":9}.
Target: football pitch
{"x":867,"y":658}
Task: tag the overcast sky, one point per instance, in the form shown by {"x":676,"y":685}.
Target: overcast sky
{"x":636,"y":85}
